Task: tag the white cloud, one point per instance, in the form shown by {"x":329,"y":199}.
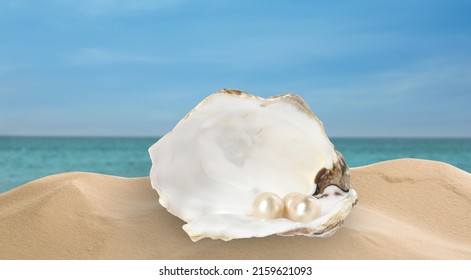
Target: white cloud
{"x":426,"y":79}
{"x":96,"y":56}
{"x":91,"y":7}
{"x":4,"y":69}
{"x":104,"y":7}
{"x":427,"y":98}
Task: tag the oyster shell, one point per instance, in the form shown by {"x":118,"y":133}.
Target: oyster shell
{"x":232,"y":147}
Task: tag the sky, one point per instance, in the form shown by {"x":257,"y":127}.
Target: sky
{"x":135,"y":68}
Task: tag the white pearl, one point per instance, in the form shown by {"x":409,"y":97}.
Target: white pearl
{"x":287,"y":200}
{"x":267,"y":206}
{"x":304,"y":208}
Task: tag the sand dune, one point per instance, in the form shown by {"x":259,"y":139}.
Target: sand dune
{"x":407,"y":209}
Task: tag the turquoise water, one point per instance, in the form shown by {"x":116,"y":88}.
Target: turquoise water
{"x":23,"y":159}
{"x":363,"y":151}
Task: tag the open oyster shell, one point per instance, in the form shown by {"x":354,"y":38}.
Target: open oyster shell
{"x":232,"y":147}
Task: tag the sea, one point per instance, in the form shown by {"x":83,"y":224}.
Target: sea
{"x":23,"y":159}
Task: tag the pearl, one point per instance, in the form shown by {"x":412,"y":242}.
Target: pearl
{"x":287,"y":200}
{"x":267,"y":206}
{"x":304,"y":208}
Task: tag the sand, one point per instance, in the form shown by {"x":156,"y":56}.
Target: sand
{"x":407,"y":209}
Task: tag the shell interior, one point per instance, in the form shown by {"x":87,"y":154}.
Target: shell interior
{"x":233,"y":146}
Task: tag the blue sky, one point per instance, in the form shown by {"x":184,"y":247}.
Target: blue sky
{"x":135,"y":68}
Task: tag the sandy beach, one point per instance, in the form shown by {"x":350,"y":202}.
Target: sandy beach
{"x":407,"y":209}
